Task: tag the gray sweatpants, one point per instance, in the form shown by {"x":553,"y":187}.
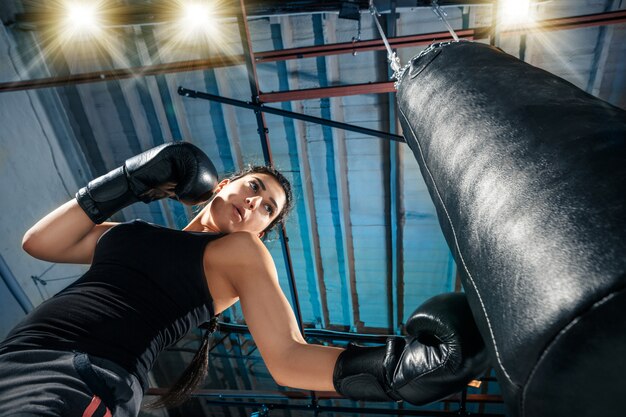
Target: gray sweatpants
{"x":47,"y":383}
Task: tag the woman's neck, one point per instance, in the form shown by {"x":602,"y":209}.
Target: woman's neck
{"x":196,"y":225}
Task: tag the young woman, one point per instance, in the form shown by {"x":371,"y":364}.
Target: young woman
{"x":87,"y":350}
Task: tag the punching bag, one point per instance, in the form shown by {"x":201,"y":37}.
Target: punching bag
{"x":528,"y":175}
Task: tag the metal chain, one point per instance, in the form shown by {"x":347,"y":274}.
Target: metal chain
{"x":430,"y":47}
{"x":392,"y":57}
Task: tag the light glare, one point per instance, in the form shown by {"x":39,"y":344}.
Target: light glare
{"x":199,"y":29}
{"x":515,"y":12}
{"x":81,"y":19}
{"x":197,"y":15}
{"x":196,"y":21}
{"x":82,"y":15}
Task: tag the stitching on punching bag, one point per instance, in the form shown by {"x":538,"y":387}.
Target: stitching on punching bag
{"x":456,"y":243}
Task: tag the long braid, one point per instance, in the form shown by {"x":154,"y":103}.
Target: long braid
{"x":194,"y":373}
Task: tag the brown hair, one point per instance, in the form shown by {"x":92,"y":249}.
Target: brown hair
{"x":196,"y":371}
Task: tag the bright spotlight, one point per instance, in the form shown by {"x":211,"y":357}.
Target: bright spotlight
{"x":197,"y":15}
{"x":81,"y":15}
{"x":197,"y":18}
{"x":81,"y":18}
{"x":515,"y":12}
{"x":199,"y":27}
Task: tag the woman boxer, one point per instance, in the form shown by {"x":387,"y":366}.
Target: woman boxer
{"x":87,"y":350}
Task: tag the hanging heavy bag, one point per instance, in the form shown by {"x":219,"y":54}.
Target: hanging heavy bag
{"x":528,"y":175}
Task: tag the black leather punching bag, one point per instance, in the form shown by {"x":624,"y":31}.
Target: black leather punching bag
{"x":528,"y":174}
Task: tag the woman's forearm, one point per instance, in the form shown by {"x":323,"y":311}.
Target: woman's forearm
{"x":308,"y":366}
{"x":64,"y":235}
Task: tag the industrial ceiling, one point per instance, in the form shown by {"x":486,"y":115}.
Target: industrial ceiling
{"x":260,"y":84}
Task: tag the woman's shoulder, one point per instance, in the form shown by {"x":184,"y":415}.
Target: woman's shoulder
{"x":243,"y":242}
{"x":240,"y":248}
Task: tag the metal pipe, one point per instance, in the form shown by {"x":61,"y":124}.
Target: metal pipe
{"x":316,"y":408}
{"x":291,"y":277}
{"x":123,"y":73}
{"x":304,"y":396}
{"x":244,"y":33}
{"x":14,"y":287}
{"x":285,"y":113}
{"x":393,"y":203}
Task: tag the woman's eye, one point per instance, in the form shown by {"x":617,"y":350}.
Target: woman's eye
{"x":269,"y":209}
{"x":254,"y":186}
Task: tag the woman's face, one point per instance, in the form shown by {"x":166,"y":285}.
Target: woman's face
{"x":249,"y":203}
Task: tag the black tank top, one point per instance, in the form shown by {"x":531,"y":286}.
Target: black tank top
{"x":144,"y":291}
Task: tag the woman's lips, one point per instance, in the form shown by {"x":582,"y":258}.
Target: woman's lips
{"x":237,"y":212}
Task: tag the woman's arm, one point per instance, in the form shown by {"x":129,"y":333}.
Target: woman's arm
{"x":247,"y":264}
{"x":70,"y":233}
{"x":64,"y":235}
{"x":405,"y":368}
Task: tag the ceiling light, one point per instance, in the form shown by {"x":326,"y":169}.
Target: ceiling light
{"x":81,"y":18}
{"x":197,"y":17}
{"x":198,"y":27}
{"x":81,"y":15}
{"x":514,"y":12}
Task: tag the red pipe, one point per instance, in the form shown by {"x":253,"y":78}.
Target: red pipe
{"x":362,"y":46}
{"x":599,"y":19}
{"x":338,"y":91}
{"x":562,"y":23}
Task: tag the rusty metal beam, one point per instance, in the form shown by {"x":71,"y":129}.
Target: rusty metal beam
{"x":370,"y":45}
{"x":244,"y":33}
{"x":566,"y":23}
{"x":387,"y":87}
{"x":563,"y":23}
{"x":322,"y":92}
{"x":599,"y":19}
{"x":123,"y":73}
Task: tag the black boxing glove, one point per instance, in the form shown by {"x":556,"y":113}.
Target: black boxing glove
{"x":443,"y":352}
{"x":177,"y":169}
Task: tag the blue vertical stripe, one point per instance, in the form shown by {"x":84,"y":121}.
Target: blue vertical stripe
{"x":217,"y":121}
{"x":300,"y":207}
{"x":318,"y":33}
{"x":144,"y":96}
{"x":124,"y":116}
{"x":168,"y":105}
{"x":150,"y":112}
{"x":164,"y":92}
